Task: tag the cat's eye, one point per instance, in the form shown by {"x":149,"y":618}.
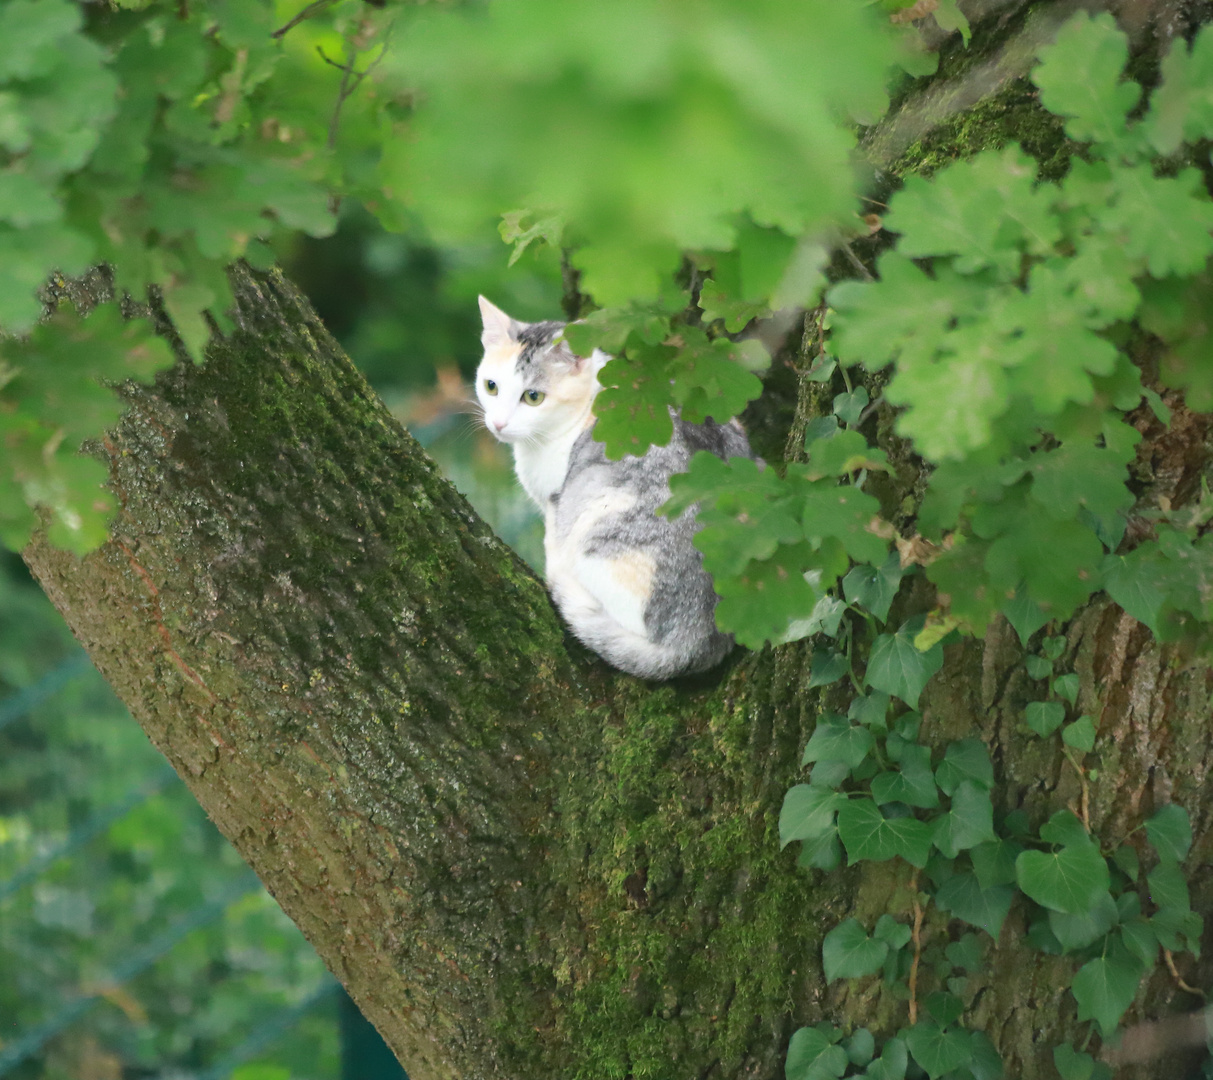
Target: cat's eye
{"x":533,"y":397}
{"x":490,"y":387}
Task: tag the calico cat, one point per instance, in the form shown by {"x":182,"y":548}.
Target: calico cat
{"x":629,"y":583}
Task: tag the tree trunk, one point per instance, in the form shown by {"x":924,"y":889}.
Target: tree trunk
{"x":520,"y":863}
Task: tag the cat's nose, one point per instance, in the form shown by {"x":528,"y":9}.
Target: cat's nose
{"x":499,"y":424}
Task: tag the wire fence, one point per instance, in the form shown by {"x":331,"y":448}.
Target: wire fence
{"x":20,"y":1048}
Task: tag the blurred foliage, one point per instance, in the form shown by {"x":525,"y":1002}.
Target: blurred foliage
{"x":66,"y":929}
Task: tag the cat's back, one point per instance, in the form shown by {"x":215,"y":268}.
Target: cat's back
{"x":659,"y":620}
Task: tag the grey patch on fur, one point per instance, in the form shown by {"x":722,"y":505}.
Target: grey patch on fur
{"x":680,"y":612}
{"x":534,"y":337}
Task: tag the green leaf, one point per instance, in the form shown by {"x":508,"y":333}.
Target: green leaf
{"x":1143,"y":218}
{"x":965,"y":759}
{"x":1065,"y":829}
{"x":1073,"y":1064}
{"x":848,"y":407}
{"x":994,"y":862}
{"x":861,"y":1047}
{"x":892,"y":1062}
{"x":844,"y":452}
{"x":839,"y":740}
{"x":1080,"y":78}
{"x":912,"y":784}
{"x":870,"y":710}
{"x":969,"y":822}
{"x":633,"y":408}
{"x":944,"y":1008}
{"x":1080,"y":734}
{"x":939,"y":1051}
{"x":1169,"y":887}
{"x":808,"y":811}
{"x":811,"y":1056}
{"x":1044,"y":717}
{"x":968,"y":953}
{"x":867,"y":834}
{"x":828,"y":666}
{"x":1083,"y":928}
{"x":984,"y":210}
{"x":1024,"y":614}
{"x":897,"y":667}
{"x":822,"y":852}
{"x":895,"y":934}
{"x":1070,"y":880}
{"x":964,"y":897}
{"x":848,"y":953}
{"x":1038,"y":667}
{"x":874,"y":589}
{"x":1170,"y":832}
{"x":1105,"y":987}
{"x":1066,"y":687}
{"x":1181,"y":108}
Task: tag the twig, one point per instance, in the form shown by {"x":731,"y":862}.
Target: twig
{"x":350,"y":81}
{"x":1085,"y":803}
{"x":1179,"y":980}
{"x":916,"y":936}
{"x":856,"y":262}
{"x":306,"y":13}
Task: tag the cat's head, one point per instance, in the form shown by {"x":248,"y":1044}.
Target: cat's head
{"x":529,"y":383}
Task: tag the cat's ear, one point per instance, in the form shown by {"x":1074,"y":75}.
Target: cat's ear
{"x":498,"y":326}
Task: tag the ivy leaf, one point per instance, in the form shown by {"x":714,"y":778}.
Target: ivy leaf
{"x":1073,"y":1064}
{"x":872,"y":588}
{"x":1170,"y":832}
{"x":969,"y":822}
{"x":837,"y":739}
{"x":1077,"y":931}
{"x":964,"y":897}
{"x":867,"y":834}
{"x":892,"y":1063}
{"x":939,"y":1051}
{"x":912,"y":784}
{"x":895,"y":934}
{"x":1044,"y":717}
{"x":828,"y":666}
{"x":968,"y":953}
{"x":848,"y":953}
{"x":1024,"y":614}
{"x":965,"y":759}
{"x":861,"y":1047}
{"x":1070,"y":880}
{"x":870,"y":710}
{"x":843,"y":452}
{"x":1080,"y":78}
{"x":849,"y":407}
{"x":1105,"y":987}
{"x":897,"y":667}
{"x":808,"y":811}
{"x":811,"y":1056}
{"x":1066,"y":687}
{"x":822,"y":852}
{"x":1080,"y":734}
{"x":994,"y":862}
{"x":945,"y":1008}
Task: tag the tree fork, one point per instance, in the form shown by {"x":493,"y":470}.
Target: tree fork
{"x":520,"y":863}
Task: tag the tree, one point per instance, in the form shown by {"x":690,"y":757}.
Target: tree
{"x":523,"y":864}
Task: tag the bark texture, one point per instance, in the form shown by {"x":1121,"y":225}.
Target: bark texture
{"x":521,"y":864}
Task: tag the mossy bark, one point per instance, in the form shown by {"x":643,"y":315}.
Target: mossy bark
{"x":522,"y":864}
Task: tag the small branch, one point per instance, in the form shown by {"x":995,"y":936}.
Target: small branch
{"x":856,"y":262}
{"x":1085,"y":800}
{"x":306,"y":13}
{"x":1179,"y":980}
{"x":916,"y":937}
{"x":350,"y":81}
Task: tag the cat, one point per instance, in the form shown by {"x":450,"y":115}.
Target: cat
{"x":629,"y":583}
